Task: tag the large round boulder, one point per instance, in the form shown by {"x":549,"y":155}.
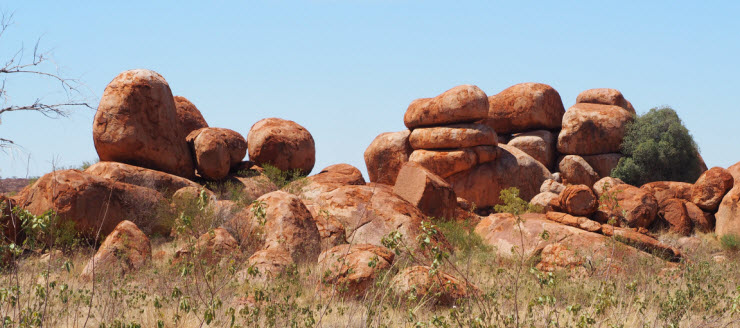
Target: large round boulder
{"x":605,"y":96}
{"x":160,"y":181}
{"x":216,"y":151}
{"x":525,"y":107}
{"x":447,"y":162}
{"x":385,"y":156}
{"x":453,"y":136}
{"x":137,"y":123}
{"x":734,"y":169}
{"x":728,"y":215}
{"x":590,"y":129}
{"x":94,"y":204}
{"x":674,"y":213}
{"x":283,"y":144}
{"x":603,"y":164}
{"x":438,"y":288}
{"x":629,"y":205}
{"x":604,"y":184}
{"x":712,"y":185}
{"x":483,"y":183}
{"x":426,"y":190}
{"x":350,"y":270}
{"x":539,"y":144}
{"x":461,"y":104}
{"x":575,"y":170}
{"x":578,"y":200}
{"x":663,"y":190}
{"x":189,"y":116}
{"x":125,"y":249}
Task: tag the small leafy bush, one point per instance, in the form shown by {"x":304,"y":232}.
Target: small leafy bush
{"x":730,"y":242}
{"x":515,"y":205}
{"x":658,"y":147}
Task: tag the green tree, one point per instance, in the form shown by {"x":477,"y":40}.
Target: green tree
{"x":658,"y":147}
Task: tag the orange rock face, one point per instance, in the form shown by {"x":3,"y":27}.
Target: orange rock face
{"x":283,"y":144}
{"x":189,"y":116}
{"x":351,"y":269}
{"x":735,"y":171}
{"x":425,"y":190}
{"x":605,"y":96}
{"x":483,"y":183}
{"x":575,"y":170}
{"x":453,"y":136}
{"x":212,"y":247}
{"x":636,"y":208}
{"x":603,"y":185}
{"x":703,"y":221}
{"x":524,"y":107}
{"x":591,"y":129}
{"x":342,"y":174}
{"x":673,"y":212}
{"x":216,"y":151}
{"x":461,"y":104}
{"x":578,"y":200}
{"x":162,"y":182}
{"x":93,"y":203}
{"x":137,"y":123}
{"x":416,"y":282}
{"x":663,"y":190}
{"x":385,"y":156}
{"x":603,"y":164}
{"x":539,"y":144}
{"x":712,"y":185}
{"x":448,"y":162}
{"x":269,"y":264}
{"x":124,"y":250}
{"x":728,"y":215}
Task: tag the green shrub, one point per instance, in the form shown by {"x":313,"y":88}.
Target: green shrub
{"x":281,"y":178}
{"x":658,"y":147}
{"x":515,"y":205}
{"x":730,"y":242}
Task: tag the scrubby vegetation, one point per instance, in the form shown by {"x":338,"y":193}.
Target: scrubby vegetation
{"x":658,"y":147}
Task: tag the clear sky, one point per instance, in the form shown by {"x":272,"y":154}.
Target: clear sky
{"x":347,"y":70}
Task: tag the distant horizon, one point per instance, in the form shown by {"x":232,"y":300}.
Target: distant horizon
{"x":347,"y":71}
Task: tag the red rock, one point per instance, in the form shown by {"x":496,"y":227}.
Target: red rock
{"x":525,"y":107}
{"x":591,"y":129}
{"x":636,"y":208}
{"x":216,"y":151}
{"x":575,"y":170}
{"x":663,"y":190}
{"x":136,"y":123}
{"x":342,"y":174}
{"x":93,"y":203}
{"x":163,"y":182}
{"x":426,"y":190}
{"x":212,"y":247}
{"x":125,"y":250}
{"x":603,"y":164}
{"x":539,"y":144}
{"x":331,"y":230}
{"x":283,"y":144}
{"x":574,"y":221}
{"x":552,"y":186}
{"x":735,"y":171}
{"x":703,"y":221}
{"x":448,"y":162}
{"x":189,"y":116}
{"x":605,"y":96}
{"x":461,"y":104}
{"x":673,"y":211}
{"x":350,"y":270}
{"x":418,"y":282}
{"x":453,"y":136}
{"x":642,"y":241}
{"x":728,"y":215}
{"x":266,"y":264}
{"x":544,"y":199}
{"x":578,"y":200}
{"x":385,"y":156}
{"x":605,"y":184}
{"x":482,"y":184}
{"x":712,"y":185}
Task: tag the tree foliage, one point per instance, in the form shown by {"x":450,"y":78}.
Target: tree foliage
{"x":658,"y":147}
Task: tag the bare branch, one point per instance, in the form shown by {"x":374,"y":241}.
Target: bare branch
{"x":45,"y":109}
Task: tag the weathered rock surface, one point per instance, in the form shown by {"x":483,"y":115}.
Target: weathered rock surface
{"x":703,"y":221}
{"x":575,"y":170}
{"x":603,"y":164}
{"x":544,"y":199}
{"x":712,"y":185}
{"x":385,"y":156}
{"x":93,"y":203}
{"x":578,"y":200}
{"x":125,"y":250}
{"x":448,"y":162}
{"x":525,"y":107}
{"x":636,"y":208}
{"x":605,"y":96}
{"x":162,"y":182}
{"x":453,"y":136}
{"x":212,"y":247}
{"x":340,"y":174}
{"x":137,"y":123}
{"x":591,"y":129}
{"x":482,"y":184}
{"x":426,"y":190}
{"x":605,"y":184}
{"x":461,"y":104}
{"x":349,"y":270}
{"x":673,"y":212}
{"x":267,"y":264}
{"x":282,"y":143}
{"x":552,"y":186}
{"x":735,"y":171}
{"x":189,"y":116}
{"x":216,"y":151}
{"x":539,"y":144}
{"x":663,"y":190}
{"x":417,"y":283}
{"x":574,"y":221}
{"x":728,"y":215}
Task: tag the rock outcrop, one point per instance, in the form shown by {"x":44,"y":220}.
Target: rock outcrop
{"x":728,"y":214}
{"x":124,"y":250}
{"x":603,"y":164}
{"x":453,"y":136}
{"x":216,"y":151}
{"x":425,"y":190}
{"x":591,"y":129}
{"x":419,"y":283}
{"x":539,"y":144}
{"x":525,"y":107}
{"x":189,"y":116}
{"x":385,"y":156}
{"x":708,"y":191}
{"x":605,"y":96}
{"x":350,"y":270}
{"x":461,"y":104}
{"x":578,"y":200}
{"x":575,"y":170}
{"x":160,"y":181}
{"x":283,"y":144}
{"x":448,"y":162}
{"x":631,"y":206}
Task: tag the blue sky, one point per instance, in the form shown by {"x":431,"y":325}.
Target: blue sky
{"x":347,"y":70}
